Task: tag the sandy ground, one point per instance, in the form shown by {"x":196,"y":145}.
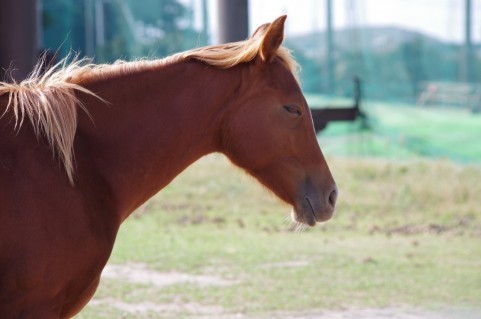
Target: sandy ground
{"x":140,"y":273}
{"x":390,"y":313}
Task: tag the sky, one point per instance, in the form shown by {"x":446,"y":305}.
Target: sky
{"x":442,"y":19}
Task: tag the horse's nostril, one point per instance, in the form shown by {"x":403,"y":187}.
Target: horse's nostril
{"x":333,"y":197}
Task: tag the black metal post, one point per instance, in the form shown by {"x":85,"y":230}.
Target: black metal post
{"x":18,"y":37}
{"x":205,"y":23}
{"x":329,"y":49}
{"x":233,"y":20}
{"x":466,"y":59}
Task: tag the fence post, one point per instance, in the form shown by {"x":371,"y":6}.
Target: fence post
{"x":233,"y":20}
{"x":19,"y":22}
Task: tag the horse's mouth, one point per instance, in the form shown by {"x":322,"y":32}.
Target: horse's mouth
{"x":308,"y":213}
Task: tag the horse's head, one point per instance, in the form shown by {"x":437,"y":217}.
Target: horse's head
{"x":269,"y":132}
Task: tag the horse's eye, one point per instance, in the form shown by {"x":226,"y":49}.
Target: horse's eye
{"x":293,"y":109}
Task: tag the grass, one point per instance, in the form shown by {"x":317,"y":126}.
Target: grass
{"x":406,"y":131}
{"x":431,"y":131}
{"x":406,"y":234}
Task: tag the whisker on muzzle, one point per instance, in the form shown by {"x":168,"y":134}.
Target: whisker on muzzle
{"x":299,"y":228}
{"x":295,"y":226}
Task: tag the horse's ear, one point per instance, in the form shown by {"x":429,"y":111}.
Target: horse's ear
{"x":259,"y":33}
{"x":272,"y":39}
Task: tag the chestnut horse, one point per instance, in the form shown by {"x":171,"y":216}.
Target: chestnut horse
{"x":82,"y":146}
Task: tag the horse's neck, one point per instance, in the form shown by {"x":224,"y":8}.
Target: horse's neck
{"x":158,"y":122}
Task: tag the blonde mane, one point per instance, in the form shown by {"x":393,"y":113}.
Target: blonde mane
{"x":49,"y":102}
{"x":222,"y":56}
{"x":229,"y":55}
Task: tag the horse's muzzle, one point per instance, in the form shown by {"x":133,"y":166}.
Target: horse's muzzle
{"x":312,"y":207}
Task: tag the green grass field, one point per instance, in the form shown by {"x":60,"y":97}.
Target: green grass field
{"x":406,"y":131}
{"x":213,"y":244}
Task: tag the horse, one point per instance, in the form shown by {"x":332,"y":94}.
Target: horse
{"x":83,"y":145}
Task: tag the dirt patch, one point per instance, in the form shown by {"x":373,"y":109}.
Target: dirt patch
{"x":367,"y":313}
{"x":160,"y":309}
{"x":283,"y":264}
{"x":196,"y":311}
{"x":141,"y":274}
{"x":458,"y":227}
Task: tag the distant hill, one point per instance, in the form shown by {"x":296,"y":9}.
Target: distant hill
{"x":391,"y":61}
{"x":377,"y":39}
